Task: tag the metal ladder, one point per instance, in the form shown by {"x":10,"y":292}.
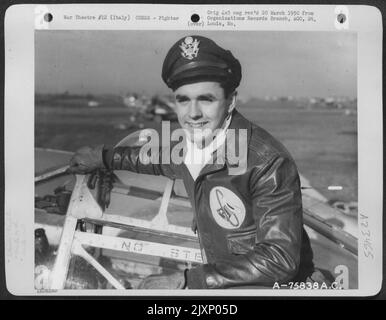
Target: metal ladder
{"x":83,"y":206}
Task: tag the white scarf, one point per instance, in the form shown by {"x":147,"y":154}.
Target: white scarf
{"x":196,"y":158}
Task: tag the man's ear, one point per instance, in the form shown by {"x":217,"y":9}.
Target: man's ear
{"x":232,"y":101}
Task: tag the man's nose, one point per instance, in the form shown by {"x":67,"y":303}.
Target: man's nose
{"x":195,"y":110}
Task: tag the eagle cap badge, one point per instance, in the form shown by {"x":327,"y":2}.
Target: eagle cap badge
{"x":189,"y":48}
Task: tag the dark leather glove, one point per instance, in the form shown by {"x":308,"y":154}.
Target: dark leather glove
{"x":171,"y":281}
{"x":103,"y":180}
{"x":321,"y":278}
{"x":86,"y":160}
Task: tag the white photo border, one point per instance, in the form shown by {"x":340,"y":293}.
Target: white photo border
{"x":21,"y":21}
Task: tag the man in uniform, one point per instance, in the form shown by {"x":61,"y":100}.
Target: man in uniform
{"x":249,"y":218}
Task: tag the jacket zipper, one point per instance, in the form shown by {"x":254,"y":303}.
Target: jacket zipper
{"x":203,"y":254}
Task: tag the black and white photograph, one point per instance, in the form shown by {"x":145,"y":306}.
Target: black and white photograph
{"x":196,"y":160}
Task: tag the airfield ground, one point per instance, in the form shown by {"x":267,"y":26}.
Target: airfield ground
{"x":322,"y":141}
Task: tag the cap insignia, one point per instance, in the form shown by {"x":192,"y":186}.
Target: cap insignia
{"x":189,"y":48}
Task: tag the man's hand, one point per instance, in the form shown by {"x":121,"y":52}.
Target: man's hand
{"x":86,"y":160}
{"x":103,"y":180}
{"x":171,"y":281}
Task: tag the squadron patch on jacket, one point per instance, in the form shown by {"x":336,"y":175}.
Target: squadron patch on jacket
{"x":227,"y":208}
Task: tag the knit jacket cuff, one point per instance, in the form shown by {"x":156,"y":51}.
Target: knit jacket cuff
{"x":196,"y":278}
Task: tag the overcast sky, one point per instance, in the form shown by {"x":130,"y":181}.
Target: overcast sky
{"x":274,"y":63}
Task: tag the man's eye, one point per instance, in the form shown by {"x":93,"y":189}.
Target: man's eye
{"x":206,"y":99}
{"x":182,"y":100}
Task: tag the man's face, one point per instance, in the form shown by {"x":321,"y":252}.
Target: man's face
{"x":201,"y":108}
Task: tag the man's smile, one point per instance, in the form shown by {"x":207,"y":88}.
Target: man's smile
{"x":196,"y":124}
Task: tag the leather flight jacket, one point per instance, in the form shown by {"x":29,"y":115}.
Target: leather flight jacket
{"x":248,"y":217}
